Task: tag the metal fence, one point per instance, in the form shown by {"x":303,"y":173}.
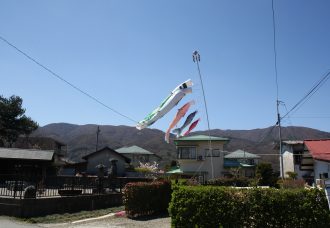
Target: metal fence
{"x":20,"y":186}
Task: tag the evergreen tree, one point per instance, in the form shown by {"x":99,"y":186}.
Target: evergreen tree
{"x":13,"y":121}
{"x":266,"y":175}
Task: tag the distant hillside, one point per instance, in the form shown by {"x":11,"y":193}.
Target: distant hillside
{"x":81,"y":139}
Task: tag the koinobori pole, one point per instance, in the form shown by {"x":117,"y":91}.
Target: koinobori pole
{"x":197,"y":59}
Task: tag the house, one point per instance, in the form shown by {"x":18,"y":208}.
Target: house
{"x":310,"y":159}
{"x":33,"y":156}
{"x":44,"y":143}
{"x":297,"y":159}
{"x":30,"y":163}
{"x":196,"y":159}
{"x":104,"y":157}
{"x":320,"y":152}
{"x":138,"y":154}
{"x":244,"y":161}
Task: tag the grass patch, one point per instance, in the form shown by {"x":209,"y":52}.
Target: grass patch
{"x":70,"y":217}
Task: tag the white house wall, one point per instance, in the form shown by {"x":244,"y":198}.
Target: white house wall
{"x":288,"y":163}
{"x":321,"y":167}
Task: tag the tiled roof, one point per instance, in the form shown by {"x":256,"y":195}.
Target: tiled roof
{"x":26,"y":154}
{"x":133,"y":150}
{"x":241,"y":154}
{"x":201,"y":138}
{"x":319,"y":149}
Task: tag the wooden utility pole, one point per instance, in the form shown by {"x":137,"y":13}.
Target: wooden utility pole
{"x":97,"y":137}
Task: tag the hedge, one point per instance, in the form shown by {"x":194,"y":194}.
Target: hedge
{"x":144,"y":198}
{"x":234,"y":181}
{"x":209,"y":206}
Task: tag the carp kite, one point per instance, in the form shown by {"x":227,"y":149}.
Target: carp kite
{"x":172,"y":100}
{"x":188,"y":120}
{"x":181,"y":113}
{"x":191,"y":127}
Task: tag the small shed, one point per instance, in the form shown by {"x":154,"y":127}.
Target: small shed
{"x":27,"y":162}
{"x":104,"y":157}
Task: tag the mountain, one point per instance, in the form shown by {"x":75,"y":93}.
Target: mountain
{"x":81,"y":139}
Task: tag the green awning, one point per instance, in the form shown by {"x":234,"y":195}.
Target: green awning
{"x":175,"y":171}
{"x":246,"y":165}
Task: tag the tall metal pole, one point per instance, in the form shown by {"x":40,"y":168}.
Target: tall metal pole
{"x":197,"y":59}
{"x":280,"y":139}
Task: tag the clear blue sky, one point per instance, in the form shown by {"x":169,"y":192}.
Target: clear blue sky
{"x":131,"y":54}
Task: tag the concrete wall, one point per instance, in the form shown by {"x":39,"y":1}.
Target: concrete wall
{"x":44,"y":206}
{"x":321,"y":167}
{"x":144,"y":158}
{"x":103,"y":157}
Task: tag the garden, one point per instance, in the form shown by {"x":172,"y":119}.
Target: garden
{"x":287,"y":203}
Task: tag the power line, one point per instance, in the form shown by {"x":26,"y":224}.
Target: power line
{"x":64,"y":80}
{"x":309,"y":94}
{"x":310,"y":117}
{"x":277,"y":100}
{"x":274,"y":49}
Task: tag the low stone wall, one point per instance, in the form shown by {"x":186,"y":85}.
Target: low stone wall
{"x":57,"y":205}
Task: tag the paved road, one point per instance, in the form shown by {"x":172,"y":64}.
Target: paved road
{"x":9,"y":223}
{"x":114,"y":222}
{"x":111,"y":222}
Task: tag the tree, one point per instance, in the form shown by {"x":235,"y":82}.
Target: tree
{"x":13,"y":121}
{"x":265,"y":174}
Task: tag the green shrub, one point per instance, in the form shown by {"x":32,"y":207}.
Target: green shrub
{"x":228,"y":207}
{"x":143,"y":198}
{"x":266,"y":175}
{"x":234,"y":181}
{"x":292,"y":175}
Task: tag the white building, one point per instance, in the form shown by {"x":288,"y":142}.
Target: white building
{"x":310,"y":159}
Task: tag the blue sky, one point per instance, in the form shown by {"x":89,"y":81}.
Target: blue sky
{"x":131,"y":54}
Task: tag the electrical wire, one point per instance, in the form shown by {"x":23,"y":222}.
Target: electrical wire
{"x":64,"y":80}
{"x":274,"y":49}
{"x":309,"y":94}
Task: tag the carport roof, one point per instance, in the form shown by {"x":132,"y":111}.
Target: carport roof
{"x":26,"y":154}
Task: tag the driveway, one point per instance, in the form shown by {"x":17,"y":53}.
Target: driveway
{"x":9,"y":223}
{"x":112,"y":222}
{"x":115,"y":222}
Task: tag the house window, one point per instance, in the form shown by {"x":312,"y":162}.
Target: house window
{"x":324,"y":176}
{"x":215,"y":153}
{"x":187,"y":153}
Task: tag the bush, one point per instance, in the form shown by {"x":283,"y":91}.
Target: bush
{"x":234,"y":181}
{"x":291,"y":183}
{"x":228,"y":207}
{"x":266,"y":175}
{"x":30,"y":192}
{"x":143,"y":198}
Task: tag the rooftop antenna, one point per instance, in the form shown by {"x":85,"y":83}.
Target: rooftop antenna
{"x":197,"y":58}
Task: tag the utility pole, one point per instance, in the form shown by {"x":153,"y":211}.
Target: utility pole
{"x":197,"y":59}
{"x":97,"y":137}
{"x":280,"y":140}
